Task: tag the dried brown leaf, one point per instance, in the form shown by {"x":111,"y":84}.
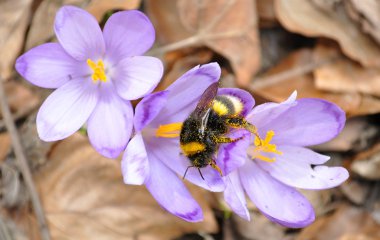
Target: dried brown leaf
{"x":353,"y":104}
{"x":346,"y":223}
{"x":21,"y":100}
{"x":328,"y":19}
{"x":229,"y":27}
{"x":5,"y":146}
{"x":366,"y":13}
{"x":85,"y":198}
{"x":259,"y":228}
{"x":267,"y":15}
{"x":367,"y":163}
{"x":42,"y":30}
{"x":14,"y":19}
{"x":345,"y":75}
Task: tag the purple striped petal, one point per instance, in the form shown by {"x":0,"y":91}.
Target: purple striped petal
{"x":79,"y":33}
{"x":110,"y":124}
{"x":66,"y":110}
{"x":171,"y":193}
{"x":126,"y":34}
{"x":186,"y":91}
{"x":234,"y":196}
{"x":294,"y":169}
{"x":233,"y":155}
{"x":148,"y":108}
{"x":309,"y":122}
{"x":167,"y":151}
{"x":280,"y":203}
{"x":49,"y":66}
{"x":134,"y":77}
{"x":264,"y":114}
{"x":245,"y":97}
{"x":135,"y":165}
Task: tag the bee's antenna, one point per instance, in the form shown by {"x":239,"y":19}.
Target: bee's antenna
{"x":199,"y":170}
{"x":184,"y":175}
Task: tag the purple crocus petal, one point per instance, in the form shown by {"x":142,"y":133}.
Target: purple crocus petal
{"x":293,"y":168}
{"x":110,"y":125}
{"x":167,"y":150}
{"x":66,"y":110}
{"x":263,"y":115}
{"x":148,"y":108}
{"x":233,"y":155}
{"x":79,"y":33}
{"x":245,"y":97}
{"x":137,"y":76}
{"x":186,"y":91}
{"x":126,"y":34}
{"x":310,"y":122}
{"x":49,"y":66}
{"x":234,"y":196}
{"x":170,"y":192}
{"x":280,"y":203}
{"x":135,"y":165}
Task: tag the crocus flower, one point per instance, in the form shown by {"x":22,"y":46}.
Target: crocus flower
{"x":96,"y":75}
{"x":153,"y":156}
{"x":277,"y":163}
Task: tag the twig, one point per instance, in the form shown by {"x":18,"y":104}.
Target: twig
{"x":23,"y":165}
{"x":263,"y":82}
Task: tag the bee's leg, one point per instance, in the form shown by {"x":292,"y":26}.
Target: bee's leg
{"x":224,"y":139}
{"x":240,"y":122}
{"x":214,"y":166}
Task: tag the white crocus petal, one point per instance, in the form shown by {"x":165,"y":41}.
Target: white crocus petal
{"x":110,"y":125}
{"x":234,"y":196}
{"x":135,"y":165}
{"x":66,"y":110}
{"x":137,"y":76}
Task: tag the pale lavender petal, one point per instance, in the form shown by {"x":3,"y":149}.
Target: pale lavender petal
{"x":280,"y":203}
{"x":110,"y":125}
{"x":233,"y":155}
{"x":186,"y":91}
{"x":134,"y":77}
{"x":234,"y":196}
{"x":245,"y":97}
{"x":264,"y":114}
{"x":128,"y":33}
{"x":135,"y":165}
{"x":171,"y":193}
{"x":49,"y":66}
{"x":309,"y":122}
{"x":167,"y":151}
{"x":148,"y":108}
{"x":294,"y":169}
{"x":79,"y":33}
{"x":66,"y":110}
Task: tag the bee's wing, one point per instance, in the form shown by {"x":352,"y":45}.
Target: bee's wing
{"x":202,"y":110}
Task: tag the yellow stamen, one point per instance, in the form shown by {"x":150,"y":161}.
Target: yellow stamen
{"x":169,"y":130}
{"x":264,"y":145}
{"x":98,"y":69}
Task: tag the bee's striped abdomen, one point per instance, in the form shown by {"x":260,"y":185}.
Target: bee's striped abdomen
{"x":227,"y":105}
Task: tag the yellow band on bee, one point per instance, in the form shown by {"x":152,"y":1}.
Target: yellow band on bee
{"x":192,"y":148}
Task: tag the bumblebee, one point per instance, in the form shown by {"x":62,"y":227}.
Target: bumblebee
{"x":205,"y":129}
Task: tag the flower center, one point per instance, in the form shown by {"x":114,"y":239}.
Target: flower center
{"x":264,"y":145}
{"x":98,"y":69}
{"x":170,"y":130}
